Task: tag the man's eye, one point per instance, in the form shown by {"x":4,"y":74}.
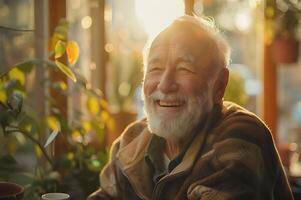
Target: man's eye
{"x":156,"y":66}
{"x":186,"y":70}
{"x":185,"y":66}
{"x":154,"y":69}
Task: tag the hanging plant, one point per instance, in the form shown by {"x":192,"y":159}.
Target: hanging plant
{"x":285,"y":46}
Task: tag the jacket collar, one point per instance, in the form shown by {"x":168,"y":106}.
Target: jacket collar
{"x":131,"y":162}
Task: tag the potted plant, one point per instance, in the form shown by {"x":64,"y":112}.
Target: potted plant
{"x":11,"y":191}
{"x":286,"y":44}
{"x":74,"y":171}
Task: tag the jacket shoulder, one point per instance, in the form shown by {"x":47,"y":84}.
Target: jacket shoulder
{"x":238,"y":118}
{"x":131,"y":132}
{"x":239,"y":123}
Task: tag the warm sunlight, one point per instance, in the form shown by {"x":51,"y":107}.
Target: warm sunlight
{"x":156,"y":14}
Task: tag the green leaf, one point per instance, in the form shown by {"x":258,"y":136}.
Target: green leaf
{"x":3,"y":96}
{"x":16,"y":74}
{"x":66,"y":70}
{"x":52,"y":136}
{"x":93,"y":105}
{"x":94,"y":165}
{"x":26,"y":66}
{"x":60,"y":48}
{"x":62,"y":28}
{"x":53,"y":122}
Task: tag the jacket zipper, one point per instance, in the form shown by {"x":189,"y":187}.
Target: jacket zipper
{"x":159,"y":186}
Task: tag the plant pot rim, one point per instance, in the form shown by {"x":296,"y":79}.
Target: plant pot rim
{"x":21,"y":188}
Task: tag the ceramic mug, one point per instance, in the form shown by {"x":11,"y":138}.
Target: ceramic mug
{"x":55,"y":196}
{"x":11,"y":191}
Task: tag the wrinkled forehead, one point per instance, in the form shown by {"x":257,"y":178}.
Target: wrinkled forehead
{"x":186,"y":36}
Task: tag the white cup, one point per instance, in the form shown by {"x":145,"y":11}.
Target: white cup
{"x":55,"y":196}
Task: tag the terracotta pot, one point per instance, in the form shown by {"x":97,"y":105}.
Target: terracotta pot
{"x":11,"y":191}
{"x":285,"y":50}
{"x":121,"y":121}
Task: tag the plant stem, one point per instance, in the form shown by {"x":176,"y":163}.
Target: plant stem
{"x":34,"y":140}
{"x":5,"y":28}
{"x":34,"y":61}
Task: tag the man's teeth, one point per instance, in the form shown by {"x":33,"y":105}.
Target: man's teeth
{"x":169,"y":104}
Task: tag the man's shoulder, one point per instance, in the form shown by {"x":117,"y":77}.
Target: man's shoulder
{"x":233,"y":111}
{"x":238,"y":120}
{"x":233,"y":108}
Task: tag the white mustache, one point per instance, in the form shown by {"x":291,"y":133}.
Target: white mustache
{"x":158,"y":95}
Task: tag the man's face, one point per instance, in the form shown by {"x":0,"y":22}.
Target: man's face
{"x":178,"y":83}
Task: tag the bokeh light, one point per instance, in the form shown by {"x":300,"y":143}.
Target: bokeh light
{"x":86,"y":22}
{"x":243,"y":21}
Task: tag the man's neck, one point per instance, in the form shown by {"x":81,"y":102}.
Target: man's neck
{"x":174,"y":146}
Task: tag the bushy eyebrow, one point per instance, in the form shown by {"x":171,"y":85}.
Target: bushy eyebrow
{"x":186,"y":58}
{"x":154,"y":58}
{"x":182,"y":56}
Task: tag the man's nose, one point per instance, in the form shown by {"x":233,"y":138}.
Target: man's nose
{"x":168,"y":82}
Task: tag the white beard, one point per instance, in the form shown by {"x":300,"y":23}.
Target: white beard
{"x":181,"y":125}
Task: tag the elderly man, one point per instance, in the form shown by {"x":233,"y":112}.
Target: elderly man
{"x":192,"y":144}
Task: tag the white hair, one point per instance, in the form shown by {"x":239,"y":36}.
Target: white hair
{"x":204,"y":24}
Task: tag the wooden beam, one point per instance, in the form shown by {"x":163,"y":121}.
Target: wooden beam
{"x":270,"y":111}
{"x":98,"y":53}
{"x":269,"y":72}
{"x":57,"y":10}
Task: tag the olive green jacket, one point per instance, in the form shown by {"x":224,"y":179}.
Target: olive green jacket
{"x":233,"y":156}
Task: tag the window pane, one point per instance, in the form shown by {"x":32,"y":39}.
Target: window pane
{"x":16,"y":45}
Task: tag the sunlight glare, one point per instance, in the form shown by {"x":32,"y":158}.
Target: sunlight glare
{"x":157,"y":14}
{"x":243,"y":21}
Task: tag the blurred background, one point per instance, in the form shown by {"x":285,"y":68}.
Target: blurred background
{"x":100,"y":43}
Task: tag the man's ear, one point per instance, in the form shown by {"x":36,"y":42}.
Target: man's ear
{"x":220,"y":85}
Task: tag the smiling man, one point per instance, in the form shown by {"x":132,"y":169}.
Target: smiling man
{"x":192,"y":144}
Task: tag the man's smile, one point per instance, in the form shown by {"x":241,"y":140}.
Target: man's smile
{"x":165,"y":103}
